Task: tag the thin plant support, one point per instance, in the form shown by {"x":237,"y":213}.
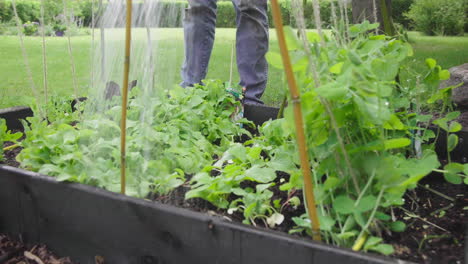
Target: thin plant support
{"x":92,"y":40}
{"x":70,"y":49}
{"x":102,"y":46}
{"x":25,"y":57}
{"x":123,"y":121}
{"x":301,"y":140}
{"x":44,"y":55}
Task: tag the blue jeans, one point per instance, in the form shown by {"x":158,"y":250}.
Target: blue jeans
{"x":251,"y":44}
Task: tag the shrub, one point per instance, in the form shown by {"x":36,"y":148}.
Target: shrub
{"x":399,"y":8}
{"x":30,"y":28}
{"x":29,"y":10}
{"x":438,"y":17}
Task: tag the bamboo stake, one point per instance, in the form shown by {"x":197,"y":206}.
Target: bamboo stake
{"x":123,"y":122}
{"x":44,"y":56}
{"x":301,"y":140}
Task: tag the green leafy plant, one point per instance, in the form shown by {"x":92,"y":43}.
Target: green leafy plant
{"x":161,"y":150}
{"x":358,"y":181}
{"x":6,"y":135}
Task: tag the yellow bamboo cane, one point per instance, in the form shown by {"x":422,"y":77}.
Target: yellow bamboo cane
{"x":123,"y":122}
{"x":301,"y":140}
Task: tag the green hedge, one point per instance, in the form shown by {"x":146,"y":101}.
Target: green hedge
{"x":439,"y":17}
{"x":29,"y":10}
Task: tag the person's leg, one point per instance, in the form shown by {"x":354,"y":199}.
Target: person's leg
{"x":252,"y":45}
{"x":199,"y":33}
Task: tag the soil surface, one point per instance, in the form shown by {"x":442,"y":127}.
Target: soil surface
{"x":436,"y":217}
{"x":14,"y":252}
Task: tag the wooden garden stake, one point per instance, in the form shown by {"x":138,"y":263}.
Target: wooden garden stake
{"x":123,"y":122}
{"x":301,"y":140}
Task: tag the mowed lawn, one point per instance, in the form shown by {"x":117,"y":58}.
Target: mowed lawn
{"x":15,"y":87}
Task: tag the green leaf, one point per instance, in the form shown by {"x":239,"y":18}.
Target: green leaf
{"x":346,"y":235}
{"x":313,"y":37}
{"x":367,"y":203}
{"x":384,"y":249}
{"x":332,"y":91}
{"x":465,"y":168}
{"x":291,"y":39}
{"x":275,"y":59}
{"x":359,"y":219}
{"x":295,"y":201}
{"x":330,"y":183}
{"x":452,"y":142}
{"x":453,"y":169}
{"x":444,"y":75}
{"x":386,"y":70}
{"x":326,"y":222}
{"x":454,"y":127}
{"x":371,"y":242}
{"x":394,"y":123}
{"x":259,"y":174}
{"x":398,"y":226}
{"x":382,"y":216}
{"x":239,"y":152}
{"x":343,"y":205}
{"x":396,"y":143}
{"x":431,"y":63}
{"x":336,"y":69}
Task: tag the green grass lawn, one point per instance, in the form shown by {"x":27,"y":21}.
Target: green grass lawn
{"x":15,"y":88}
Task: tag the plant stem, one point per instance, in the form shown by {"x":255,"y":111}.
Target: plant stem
{"x":10,"y":147}
{"x":283,"y":105}
{"x":365,"y":188}
{"x":301,"y":140}
{"x":437,"y":192}
{"x":123,"y":121}
{"x":358,"y":244}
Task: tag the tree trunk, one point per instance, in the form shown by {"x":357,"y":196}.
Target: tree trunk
{"x":364,"y":10}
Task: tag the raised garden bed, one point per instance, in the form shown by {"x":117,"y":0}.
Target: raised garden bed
{"x":85,"y":222}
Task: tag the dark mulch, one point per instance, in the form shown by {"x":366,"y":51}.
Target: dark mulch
{"x":13,"y":252}
{"x":436,"y":226}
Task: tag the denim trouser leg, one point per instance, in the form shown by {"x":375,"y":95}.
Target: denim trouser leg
{"x":251,"y":46}
{"x":199,"y":32}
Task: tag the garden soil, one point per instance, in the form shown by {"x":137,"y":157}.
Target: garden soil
{"x":14,"y":252}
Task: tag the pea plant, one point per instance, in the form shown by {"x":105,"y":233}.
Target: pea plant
{"x":6,"y":135}
{"x":361,"y":144}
